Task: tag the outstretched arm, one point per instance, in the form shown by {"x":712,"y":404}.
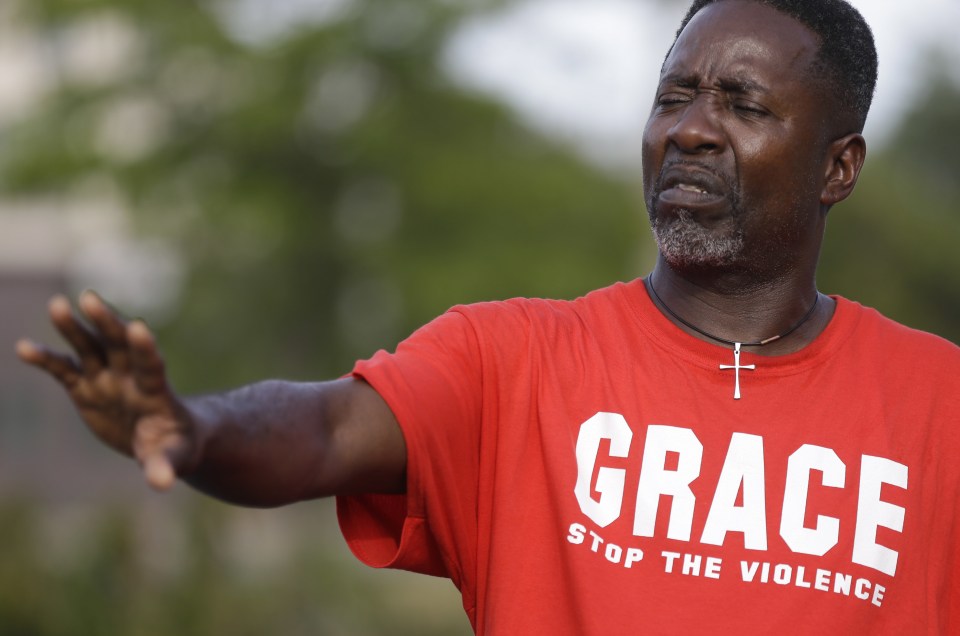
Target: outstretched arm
{"x":266,"y":444}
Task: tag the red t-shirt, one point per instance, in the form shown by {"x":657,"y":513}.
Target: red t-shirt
{"x":582,"y":468}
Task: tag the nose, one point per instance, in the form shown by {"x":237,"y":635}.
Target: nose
{"x":696,"y":129}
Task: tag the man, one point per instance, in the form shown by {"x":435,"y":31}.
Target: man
{"x":718,"y":448}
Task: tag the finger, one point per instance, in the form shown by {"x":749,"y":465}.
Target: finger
{"x":148,"y":369}
{"x":161,"y":449}
{"x":112,"y":329}
{"x":85,"y":344}
{"x":62,"y":367}
{"x":158,"y":471}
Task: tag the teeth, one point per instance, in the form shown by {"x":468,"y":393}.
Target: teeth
{"x":691,"y":188}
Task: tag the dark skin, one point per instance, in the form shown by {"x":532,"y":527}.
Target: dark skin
{"x":266,"y":444}
{"x":736,"y":109}
{"x":737,"y":106}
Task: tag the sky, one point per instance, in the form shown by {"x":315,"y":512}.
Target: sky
{"x":586,"y":70}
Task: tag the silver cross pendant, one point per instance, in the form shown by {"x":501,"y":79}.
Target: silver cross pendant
{"x":736,"y":366}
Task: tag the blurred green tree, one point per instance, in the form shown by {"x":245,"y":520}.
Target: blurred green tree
{"x":329,"y":186}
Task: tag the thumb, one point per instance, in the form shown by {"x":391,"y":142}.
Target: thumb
{"x":158,"y":471}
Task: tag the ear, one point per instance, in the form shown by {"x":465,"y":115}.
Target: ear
{"x":842,"y":168}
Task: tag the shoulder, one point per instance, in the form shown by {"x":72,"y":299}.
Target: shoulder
{"x":546,"y":313}
{"x":880,"y":331}
{"x":915,"y":365}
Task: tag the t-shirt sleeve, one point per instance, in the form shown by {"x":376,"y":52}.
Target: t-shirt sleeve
{"x":433,"y":386}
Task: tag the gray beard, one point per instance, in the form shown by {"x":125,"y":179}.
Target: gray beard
{"x":685,"y":244}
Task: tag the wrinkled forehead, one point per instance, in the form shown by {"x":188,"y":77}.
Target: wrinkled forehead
{"x":744,"y":38}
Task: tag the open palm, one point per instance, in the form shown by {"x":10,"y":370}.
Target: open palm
{"x":116,"y":379}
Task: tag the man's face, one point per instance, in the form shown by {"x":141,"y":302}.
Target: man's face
{"x":733,"y":151}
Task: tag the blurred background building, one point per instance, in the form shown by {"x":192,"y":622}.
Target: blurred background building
{"x":283,"y":187}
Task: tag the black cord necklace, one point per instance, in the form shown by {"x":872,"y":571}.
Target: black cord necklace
{"x":758,"y":343}
{"x":736,"y":366}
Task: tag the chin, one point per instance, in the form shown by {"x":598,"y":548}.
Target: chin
{"x":687,"y":245}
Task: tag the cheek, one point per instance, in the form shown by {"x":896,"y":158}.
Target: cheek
{"x":783,"y":160}
{"x":651,"y":151}
{"x":772,"y":168}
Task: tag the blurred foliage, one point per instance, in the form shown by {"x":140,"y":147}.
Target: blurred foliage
{"x":331,"y":189}
{"x":117,"y":572}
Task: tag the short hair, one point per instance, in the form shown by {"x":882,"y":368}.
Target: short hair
{"x":847,"y":59}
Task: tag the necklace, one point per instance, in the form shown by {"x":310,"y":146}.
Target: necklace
{"x":736,"y":366}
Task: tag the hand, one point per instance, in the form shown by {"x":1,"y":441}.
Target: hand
{"x":117,"y":381}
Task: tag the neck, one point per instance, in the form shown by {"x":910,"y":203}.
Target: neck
{"x":741,"y":309}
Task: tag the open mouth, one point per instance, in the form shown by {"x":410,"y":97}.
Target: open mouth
{"x":690,"y":196}
{"x":686,"y":187}
{"x":691,"y":187}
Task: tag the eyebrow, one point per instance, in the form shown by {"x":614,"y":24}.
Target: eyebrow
{"x":742,"y":85}
{"x":729,"y":84}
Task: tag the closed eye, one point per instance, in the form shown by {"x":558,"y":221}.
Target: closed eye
{"x":672,"y":99}
{"x":750,"y":109}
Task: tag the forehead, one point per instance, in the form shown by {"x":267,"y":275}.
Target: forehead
{"x":745,"y":40}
